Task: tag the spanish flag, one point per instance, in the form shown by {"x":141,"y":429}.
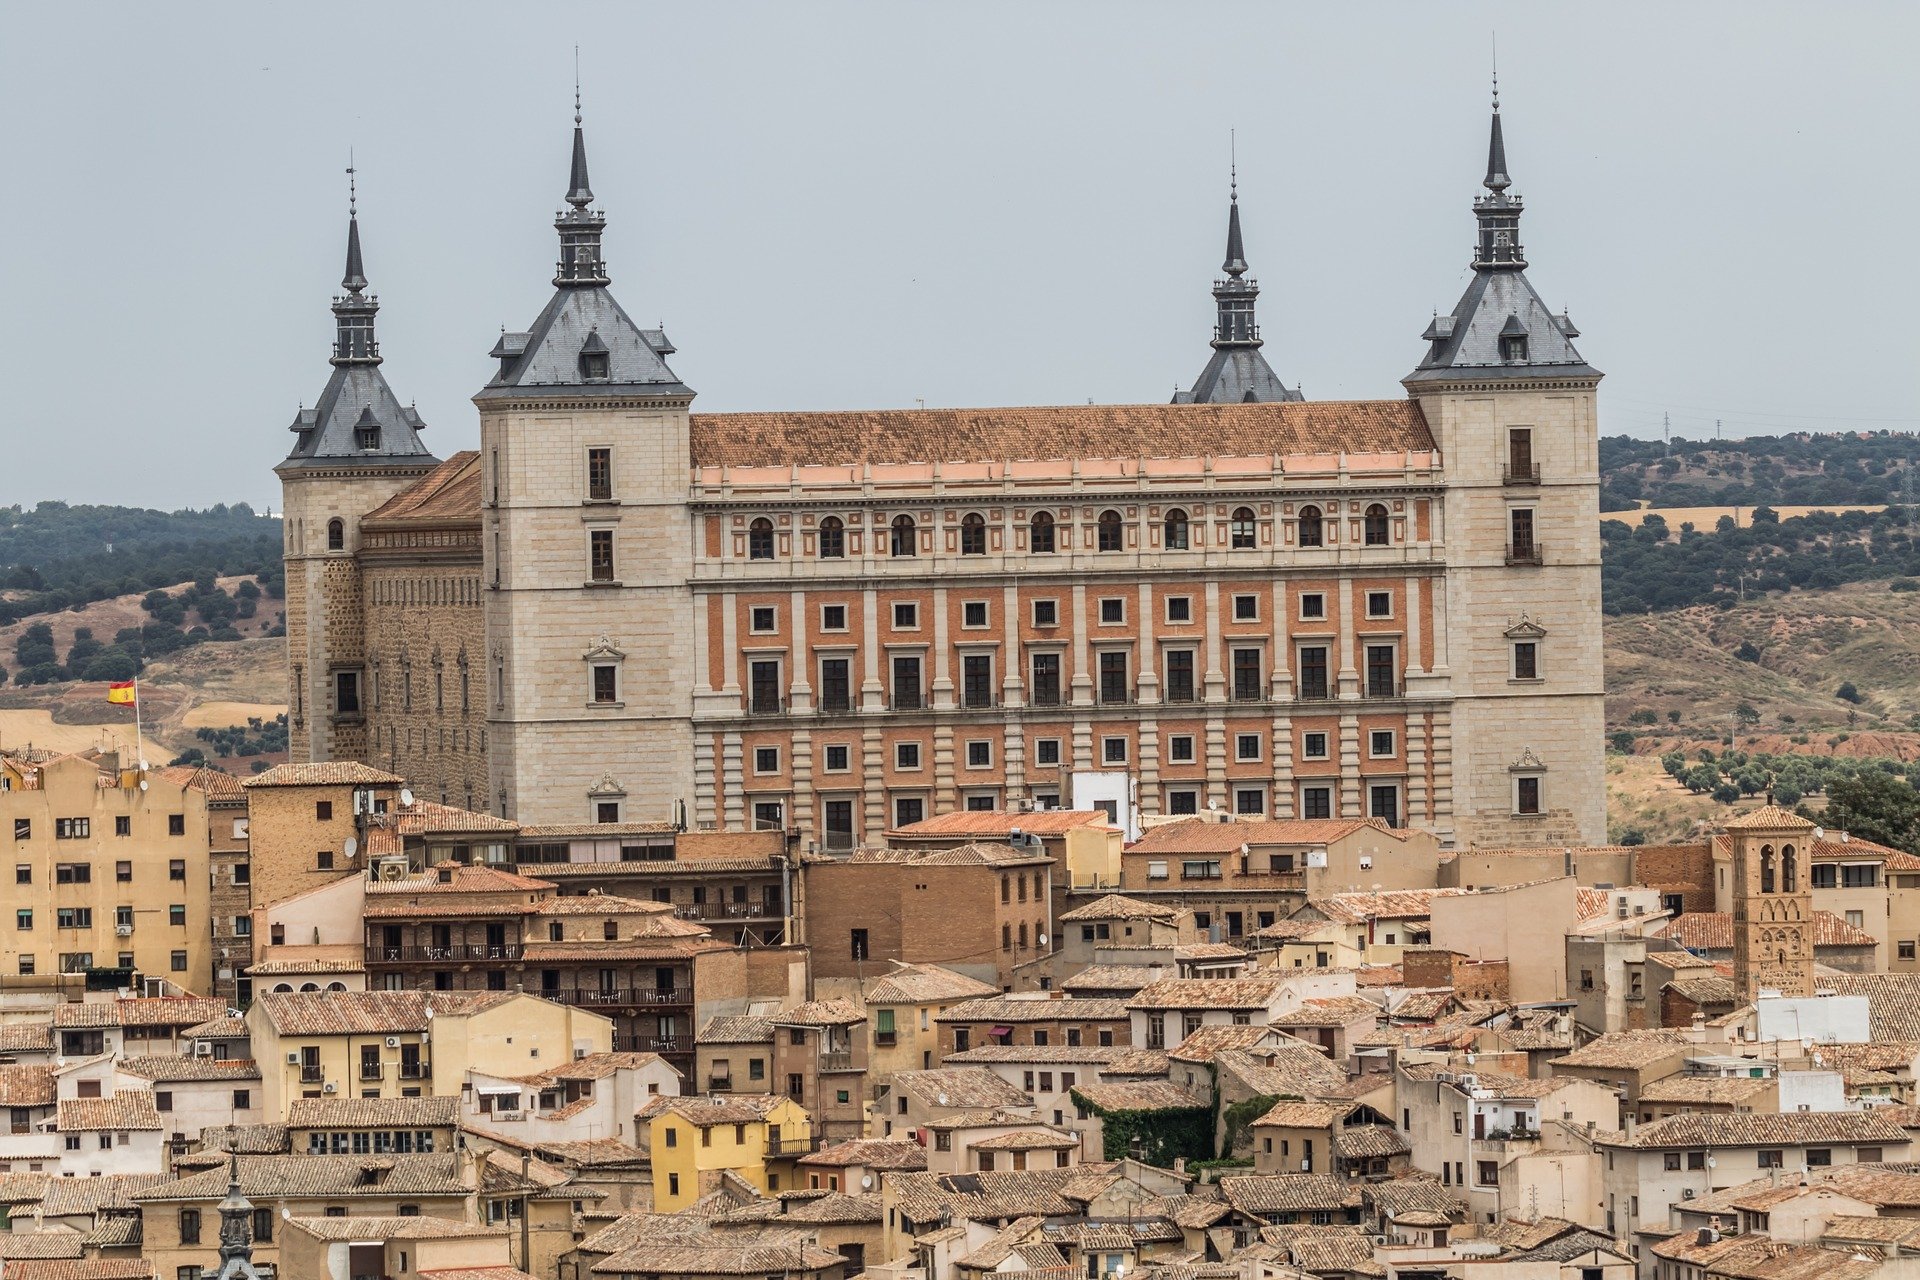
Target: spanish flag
{"x":120,"y":691}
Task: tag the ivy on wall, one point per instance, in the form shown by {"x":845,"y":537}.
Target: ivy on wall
{"x":1241,"y":1114}
{"x":1158,"y":1137}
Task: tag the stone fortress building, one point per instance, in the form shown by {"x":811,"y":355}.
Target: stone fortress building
{"x":620,"y":611}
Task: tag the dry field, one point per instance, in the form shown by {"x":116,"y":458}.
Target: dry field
{"x":1706,"y":518}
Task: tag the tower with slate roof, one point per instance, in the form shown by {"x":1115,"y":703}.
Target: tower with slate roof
{"x":354,"y":449}
{"x":584,"y":449}
{"x":1236,"y":373}
{"x":1511,"y":404}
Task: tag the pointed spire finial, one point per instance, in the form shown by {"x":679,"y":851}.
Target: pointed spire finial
{"x":579,"y":192}
{"x":1497,"y":180}
{"x":355,"y":278}
{"x":576,"y":84}
{"x":1236,"y":261}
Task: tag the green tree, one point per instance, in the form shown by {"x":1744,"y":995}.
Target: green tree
{"x":1702,"y":778}
{"x":1847,"y":693}
{"x":1874,"y":805}
{"x":1645,"y":715}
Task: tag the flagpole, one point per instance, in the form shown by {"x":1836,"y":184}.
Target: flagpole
{"x":139,"y":735}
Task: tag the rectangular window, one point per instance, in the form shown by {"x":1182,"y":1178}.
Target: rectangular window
{"x":908,"y":810}
{"x":976,"y":680}
{"x":599,"y":475}
{"x":836,"y":685}
{"x":600,"y":554}
{"x":1113,"y":750}
{"x":1180,"y":748}
{"x":1383,"y":802}
{"x":763,"y":619}
{"x":1859,"y":875}
{"x":1526,"y":660}
{"x":1183,"y":801}
{"x":1246,"y":746}
{"x":973,"y":614}
{"x":906,"y":616}
{"x":859,"y":945}
{"x":1522,"y":547}
{"x":1247,"y":684}
{"x":1316,"y":802}
{"x":72,"y":828}
{"x":1819,"y":1157}
{"x":1520,"y":467}
{"x":763,"y":681}
{"x":1526,"y":795}
{"x":1313,"y":671}
{"x":1156,"y":870}
{"x":1380,"y":744}
{"x":1313,"y":605}
{"x":1179,"y":681}
{"x":1246,"y":608}
{"x":1379,"y":604}
{"x":1045,"y":690}
{"x":906,"y":755}
{"x":1179,"y":608}
{"x":906,"y":682}
{"x":177,"y":913}
{"x":1046,"y":751}
{"x":1313,"y":746}
{"x":73,"y":873}
{"x":979,"y":754}
{"x":1250,"y":800}
{"x":123,"y":826}
{"x":833,"y":617}
{"x":766,"y":759}
{"x":1113,"y":611}
{"x":605,"y":690}
{"x":1114,"y":685}
{"x":1380,"y":674}
{"x":73,"y":917}
{"x":1046,"y":613}
{"x":837,"y":757}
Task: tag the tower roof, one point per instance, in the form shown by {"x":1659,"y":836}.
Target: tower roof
{"x":1500,"y":330}
{"x":582,"y":342}
{"x":1768,"y":817}
{"x":1236,"y":373}
{"x":357,"y":421}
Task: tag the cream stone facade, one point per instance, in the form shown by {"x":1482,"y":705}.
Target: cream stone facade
{"x":840,"y":624}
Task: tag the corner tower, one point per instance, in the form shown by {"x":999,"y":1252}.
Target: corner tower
{"x":1511,"y":405}
{"x":1772,"y":903}
{"x":356,"y":448}
{"x":1237,"y":372}
{"x":585,"y":462}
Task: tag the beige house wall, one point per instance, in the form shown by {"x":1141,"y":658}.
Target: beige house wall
{"x":1526,"y":924}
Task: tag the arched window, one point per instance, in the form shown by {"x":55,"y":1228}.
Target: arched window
{"x":336,"y":986}
{"x":1311,"y":527}
{"x":1176,"y":530}
{"x":973,"y":534}
{"x":282,"y":989}
{"x":1376,"y":526}
{"x":1788,"y":872}
{"x":1110,"y":538}
{"x":903,"y":538}
{"x":1240,"y":533}
{"x":760,"y":539}
{"x":309,"y":986}
{"x":833,"y":538}
{"x":1766,"y":868}
{"x":1041,"y":531}
{"x":336,"y":534}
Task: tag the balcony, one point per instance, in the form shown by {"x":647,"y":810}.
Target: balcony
{"x":886,"y":1039}
{"x":978,"y":702}
{"x":1319,"y":691}
{"x":727,"y":911}
{"x":1383,"y":688}
{"x":783,"y":1147}
{"x":311,"y":1074}
{"x":652,"y":1044}
{"x":764,"y":704}
{"x":1249,"y":693}
{"x":371,"y":1071}
{"x":1524,"y":473}
{"x":834,"y":704}
{"x":907,"y":700}
{"x":598,"y":998}
{"x":415,"y":1070}
{"x":1523,"y":553}
{"x":719,"y":1084}
{"x":1044,"y":698}
{"x":840,"y":1061}
{"x":453,"y":953}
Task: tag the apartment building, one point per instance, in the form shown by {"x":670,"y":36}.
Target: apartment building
{"x":111,"y":869}
{"x":693,"y":1140}
{"x":902,"y":1009}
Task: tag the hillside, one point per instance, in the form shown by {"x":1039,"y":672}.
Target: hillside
{"x":1825,"y":468}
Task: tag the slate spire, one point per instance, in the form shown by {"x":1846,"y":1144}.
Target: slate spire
{"x":1498,"y":246}
{"x":1236,"y":263}
{"x":580,"y":227}
{"x":1497,"y":179}
{"x":579,"y":192}
{"x":354,"y":341}
{"x":1237,"y":372}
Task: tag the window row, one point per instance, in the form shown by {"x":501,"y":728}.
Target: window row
{"x":1318,"y":527}
{"x":82,"y":872}
{"x":82,"y":917}
{"x":977,"y":615}
{"x":82,"y":961}
{"x":82,"y":828}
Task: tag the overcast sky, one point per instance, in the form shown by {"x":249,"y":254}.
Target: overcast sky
{"x":856,"y":206}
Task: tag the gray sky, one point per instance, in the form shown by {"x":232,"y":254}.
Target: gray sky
{"x":853,"y":206}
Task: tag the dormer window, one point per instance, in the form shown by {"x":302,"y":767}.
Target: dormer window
{"x":367,"y":437}
{"x":595,"y":362}
{"x":1513,"y":348}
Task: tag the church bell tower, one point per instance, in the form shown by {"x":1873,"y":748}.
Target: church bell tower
{"x":1772,"y":904}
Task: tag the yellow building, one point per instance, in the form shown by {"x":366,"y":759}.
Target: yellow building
{"x":408,"y":1044}
{"x":693,"y":1140}
{"x":903,"y":1033}
{"x":108,"y":874}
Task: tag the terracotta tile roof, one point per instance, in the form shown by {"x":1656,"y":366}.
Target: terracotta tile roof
{"x":1335,"y":1011}
{"x":989,"y":1197}
{"x":1209,"y":951}
{"x":926,"y":984}
{"x":1904,"y":1232}
{"x":1021,"y":1009}
{"x":1705,"y":1090}
{"x":835,"y":1208}
{"x":331,"y":773}
{"x":966,"y":855}
{"x":1893,"y":1000}
{"x":127,"y":1109}
{"x":1713,"y":931}
{"x":1258,"y":1194}
{"x":1290,"y":1068}
{"x":1116,"y":906}
{"x":959,"y":1088}
{"x":169,"y":1068}
{"x":74,"y":1197}
{"x":1208,"y":993}
{"x":245,"y":1139}
{"x":416,"y":1227}
{"x":595,"y":1066}
{"x":873,"y":1153}
{"x":1036,"y":1053}
{"x":1057,"y":431}
{"x":217,"y":785}
{"x":429,"y":817}
{"x":1704,"y":989}
{"x":138,"y":1011}
{"x":1768,"y":817}
{"x":294,"y":1177}
{"x":1137,"y":1095}
{"x":456,"y":877}
{"x":289,"y":965}
{"x":224,"y":1027}
{"x":26,"y":1037}
{"x":1400,"y":1198}
{"x":1325,"y":1250}
{"x":1789,"y":1128}
{"x":27,"y":1085}
{"x":1627,"y":1050}
{"x":1004,"y":822}
{"x":1390,"y":904}
{"x":1138,"y":1062}
{"x":1038,"y":1138}
{"x":720,"y":1255}
{"x":590,"y":951}
{"x":609,"y":904}
{"x":736,"y":1029}
{"x":52,"y":1243}
{"x":704,"y":1112}
{"x":373,"y":1113}
{"x":1302,"y":1115}
{"x":79,"y":1268}
{"x":597,"y":830}
{"x":1112,"y":977}
{"x":1369,"y":1141}
{"x":1227,"y":837}
{"x":348,"y":1013}
{"x":451,"y":491}
{"x":1422,"y":1004}
{"x":821,"y":1013}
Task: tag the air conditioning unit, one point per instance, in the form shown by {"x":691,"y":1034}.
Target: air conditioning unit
{"x":1686,"y":1193}
{"x":202,"y":1049}
{"x":293,"y":1059}
{"x":393,"y":1042}
{"x":329,"y":1087}
{"x":1806,"y":1106}
{"x":1306,"y":1166}
{"x":123,"y":930}
{"x":393,"y":868}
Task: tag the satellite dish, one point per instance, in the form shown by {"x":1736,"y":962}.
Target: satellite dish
{"x":406,"y":797}
{"x":1040,"y":939}
{"x":351,"y":847}
{"x":143,"y":784}
{"x":866,"y":1182}
{"x":943,"y":1099}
